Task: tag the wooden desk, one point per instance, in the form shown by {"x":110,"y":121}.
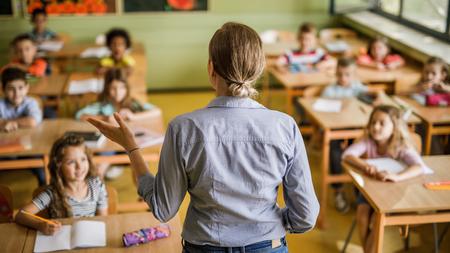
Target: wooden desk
{"x":437,"y":119}
{"x":41,"y":139}
{"x":118,"y":224}
{"x":52,"y":86}
{"x":347,"y":124}
{"x":74,"y":50}
{"x":400,"y":203}
{"x":13,"y":237}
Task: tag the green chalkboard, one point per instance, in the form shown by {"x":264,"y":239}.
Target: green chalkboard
{"x":165,"y":5}
{"x":6,"y":7}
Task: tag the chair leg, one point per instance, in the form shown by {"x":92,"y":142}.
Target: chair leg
{"x":436,"y":240}
{"x":406,"y":243}
{"x":441,"y":237}
{"x":349,"y":235}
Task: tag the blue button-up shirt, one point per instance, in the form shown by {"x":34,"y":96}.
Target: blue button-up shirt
{"x":231,"y":157}
{"x":28,"y":108}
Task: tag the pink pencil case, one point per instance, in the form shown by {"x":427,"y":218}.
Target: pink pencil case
{"x":438,"y":99}
{"x":145,"y":235}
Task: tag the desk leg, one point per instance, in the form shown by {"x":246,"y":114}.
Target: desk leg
{"x":379,"y":231}
{"x":46,"y":171}
{"x":428,"y":137}
{"x":289,"y":105}
{"x":324,"y":185}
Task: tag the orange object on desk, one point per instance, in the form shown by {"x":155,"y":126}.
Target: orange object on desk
{"x":440,"y":185}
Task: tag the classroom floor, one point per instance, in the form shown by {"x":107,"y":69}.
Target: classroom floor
{"x":22,"y":183}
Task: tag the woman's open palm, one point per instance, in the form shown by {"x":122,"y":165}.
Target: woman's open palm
{"x":121,"y":134}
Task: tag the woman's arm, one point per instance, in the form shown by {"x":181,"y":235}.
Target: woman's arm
{"x":26,"y":220}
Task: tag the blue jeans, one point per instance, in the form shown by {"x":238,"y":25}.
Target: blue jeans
{"x":259,"y":247}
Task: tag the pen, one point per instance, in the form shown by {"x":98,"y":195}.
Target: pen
{"x":362,"y":109}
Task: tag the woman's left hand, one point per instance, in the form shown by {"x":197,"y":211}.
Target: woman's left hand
{"x":122,"y":134}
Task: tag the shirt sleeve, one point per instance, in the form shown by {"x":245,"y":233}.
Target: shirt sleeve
{"x":356,"y":149}
{"x":411,"y":157}
{"x":43,"y":199}
{"x":102,"y":201}
{"x":302,"y":206}
{"x":129,"y":61}
{"x":364,"y":59}
{"x":33,"y":110}
{"x":38,"y":68}
{"x":106,"y":62}
{"x":393,"y":58}
{"x":165,"y":192}
{"x":328,"y":92}
{"x":93,"y":109}
{"x":147,"y":106}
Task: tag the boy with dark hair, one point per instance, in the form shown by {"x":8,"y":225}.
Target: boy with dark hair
{"x":119,"y":42}
{"x":40,"y":32}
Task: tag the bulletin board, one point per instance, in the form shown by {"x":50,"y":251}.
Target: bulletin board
{"x":73,"y":7}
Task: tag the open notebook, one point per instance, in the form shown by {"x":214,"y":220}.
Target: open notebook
{"x":82,"y":234}
{"x":392,"y":166}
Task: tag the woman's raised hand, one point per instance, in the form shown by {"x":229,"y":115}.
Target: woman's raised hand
{"x":121,"y":134}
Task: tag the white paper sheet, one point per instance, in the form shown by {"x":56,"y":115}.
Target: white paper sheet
{"x":58,"y":241}
{"x":88,"y":234}
{"x":51,"y":46}
{"x":337,"y":46}
{"x":327,"y":105}
{"x":95,"y":52}
{"x":85,"y":86}
{"x":391,"y":166}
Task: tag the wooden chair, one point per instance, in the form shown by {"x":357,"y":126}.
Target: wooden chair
{"x":6,"y":204}
{"x":112,"y":200}
{"x":330,"y":34}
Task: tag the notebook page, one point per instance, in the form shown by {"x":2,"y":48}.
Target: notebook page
{"x":327,"y":105}
{"x":52,"y":46}
{"x":391,"y":165}
{"x":58,"y":241}
{"x":85,"y":86}
{"x":88,"y":234}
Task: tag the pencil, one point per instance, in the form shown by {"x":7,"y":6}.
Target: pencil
{"x":37,"y":217}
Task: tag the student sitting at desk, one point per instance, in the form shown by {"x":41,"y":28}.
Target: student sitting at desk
{"x":25,"y":57}
{"x":434,"y":90}
{"x":346,"y":86}
{"x":386,"y":135}
{"x":435,"y":77}
{"x":378,"y":56}
{"x":115,"y":97}
{"x":74,"y":190}
{"x":119,"y":42}
{"x":17,"y":110}
{"x":309,"y":56}
{"x":40,"y":32}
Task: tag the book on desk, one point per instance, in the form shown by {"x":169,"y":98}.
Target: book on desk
{"x":92,"y":139}
{"x":82,"y":234}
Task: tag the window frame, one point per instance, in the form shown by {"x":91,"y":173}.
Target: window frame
{"x":376,"y":8}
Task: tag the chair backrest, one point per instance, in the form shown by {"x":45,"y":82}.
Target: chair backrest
{"x":416,"y":141}
{"x":330,"y":34}
{"x":6,"y":204}
{"x":112,"y":199}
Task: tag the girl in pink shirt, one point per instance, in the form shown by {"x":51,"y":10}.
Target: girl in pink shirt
{"x":378,"y":56}
{"x":386,"y":135}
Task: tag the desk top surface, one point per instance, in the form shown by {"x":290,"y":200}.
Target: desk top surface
{"x":409,"y":195}
{"x":433,"y":115}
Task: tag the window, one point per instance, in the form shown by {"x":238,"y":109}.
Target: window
{"x":431,"y":17}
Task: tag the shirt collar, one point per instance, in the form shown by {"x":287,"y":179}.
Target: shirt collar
{"x":234,"y":102}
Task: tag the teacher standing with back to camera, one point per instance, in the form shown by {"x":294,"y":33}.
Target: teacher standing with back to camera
{"x":231,"y":156}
